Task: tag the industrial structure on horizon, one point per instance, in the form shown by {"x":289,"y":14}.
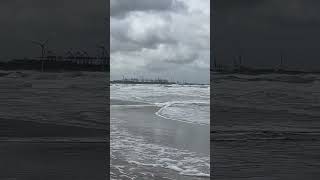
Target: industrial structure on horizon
{"x":77,"y":60}
{"x":239,"y":67}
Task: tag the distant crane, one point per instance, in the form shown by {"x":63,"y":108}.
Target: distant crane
{"x":214,"y":61}
{"x":43,"y":46}
{"x":281,"y":60}
{"x":104,"y":54}
{"x":103,"y":48}
{"x":85,"y":55}
{"x":69,"y":54}
{"x":51,"y":55}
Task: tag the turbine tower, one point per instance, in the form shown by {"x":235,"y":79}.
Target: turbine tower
{"x":43,"y":46}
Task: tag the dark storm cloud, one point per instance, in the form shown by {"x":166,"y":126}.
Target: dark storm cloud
{"x":76,"y":24}
{"x":122,"y":7}
{"x":261,"y":30}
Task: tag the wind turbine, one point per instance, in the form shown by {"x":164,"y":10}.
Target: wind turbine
{"x":43,"y":46}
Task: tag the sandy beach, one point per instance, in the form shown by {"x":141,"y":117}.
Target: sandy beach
{"x":53,"y":125}
{"x":145,"y":145}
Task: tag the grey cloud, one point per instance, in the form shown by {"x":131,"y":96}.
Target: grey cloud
{"x":169,"y":39}
{"x":160,"y":66}
{"x":151,"y":41}
{"x":152,"y":38}
{"x":180,"y":60}
{"x":122,"y":7}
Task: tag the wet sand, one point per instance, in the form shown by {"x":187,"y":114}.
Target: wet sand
{"x":141,"y":122}
{"x":186,"y":136}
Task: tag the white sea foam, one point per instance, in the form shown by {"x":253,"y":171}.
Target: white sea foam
{"x":136,"y":150}
{"x":186,"y":103}
{"x":197,"y":112}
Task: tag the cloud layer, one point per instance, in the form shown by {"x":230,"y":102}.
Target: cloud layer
{"x":169,"y":39}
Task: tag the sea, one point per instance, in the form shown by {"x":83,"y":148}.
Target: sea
{"x":53,"y":125}
{"x":160,"y":131}
{"x":265,"y":126}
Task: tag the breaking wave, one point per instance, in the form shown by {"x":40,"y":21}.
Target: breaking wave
{"x":185,"y":103}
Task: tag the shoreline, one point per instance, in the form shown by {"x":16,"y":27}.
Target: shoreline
{"x":142,"y":131}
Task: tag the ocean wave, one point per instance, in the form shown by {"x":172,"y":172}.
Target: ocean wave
{"x":185,"y":103}
{"x":195,"y":112}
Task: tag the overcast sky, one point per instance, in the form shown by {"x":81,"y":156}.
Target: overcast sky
{"x":68,"y":24}
{"x":261,"y":30}
{"x":160,"y":38}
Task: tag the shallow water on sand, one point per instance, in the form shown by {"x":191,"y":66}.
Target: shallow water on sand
{"x":145,"y":145}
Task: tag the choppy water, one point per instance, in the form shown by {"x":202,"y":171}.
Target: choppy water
{"x":265,"y":123}
{"x":139,"y":153}
{"x":187,"y":103}
{"x":53,"y":125}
